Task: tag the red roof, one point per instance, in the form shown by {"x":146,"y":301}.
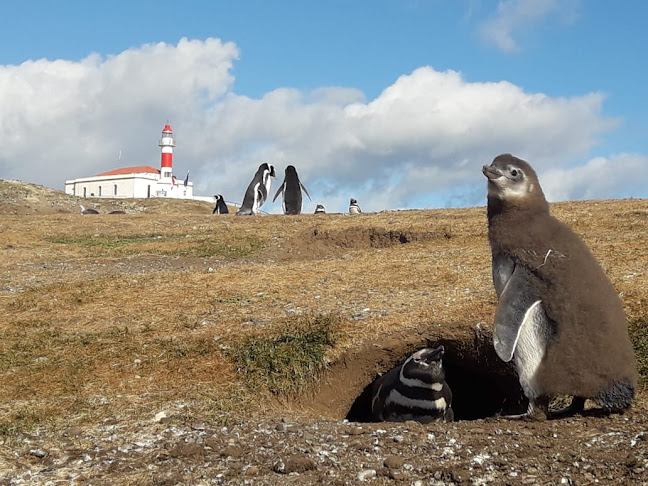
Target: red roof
{"x":167,"y":128}
{"x":131,"y":170}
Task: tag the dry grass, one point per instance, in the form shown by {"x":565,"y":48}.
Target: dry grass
{"x":121,"y":317}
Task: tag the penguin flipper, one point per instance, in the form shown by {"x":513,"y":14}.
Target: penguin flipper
{"x":279,"y":191}
{"x":519,"y":305}
{"x":502,"y":269}
{"x":305,"y":190}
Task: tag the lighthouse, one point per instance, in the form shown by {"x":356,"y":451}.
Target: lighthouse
{"x":138,"y":181}
{"x":167,"y":142}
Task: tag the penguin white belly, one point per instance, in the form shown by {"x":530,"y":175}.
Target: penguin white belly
{"x":256,"y":203}
{"x":530,"y":347}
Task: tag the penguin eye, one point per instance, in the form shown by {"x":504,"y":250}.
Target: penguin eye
{"x":516,"y":173}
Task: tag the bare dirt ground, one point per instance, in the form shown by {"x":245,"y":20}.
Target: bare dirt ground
{"x":121,"y":338}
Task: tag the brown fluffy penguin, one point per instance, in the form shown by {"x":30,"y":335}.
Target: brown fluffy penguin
{"x":558,"y":316}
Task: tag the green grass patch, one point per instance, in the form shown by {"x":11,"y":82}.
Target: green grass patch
{"x":22,"y":419}
{"x":288,"y":361}
{"x":638,"y":329}
{"x":193,"y":246}
{"x":108,"y":242}
{"x":231,"y":249}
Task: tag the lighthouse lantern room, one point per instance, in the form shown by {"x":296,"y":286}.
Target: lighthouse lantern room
{"x":137,"y":182}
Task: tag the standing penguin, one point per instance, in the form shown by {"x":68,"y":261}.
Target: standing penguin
{"x":558,"y":316}
{"x":320,"y":209}
{"x":221,"y":206}
{"x":354,"y":208}
{"x":292,"y":192}
{"x":258,"y":190}
{"x":415,"y":390}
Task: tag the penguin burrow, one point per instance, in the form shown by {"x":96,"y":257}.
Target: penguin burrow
{"x":481,"y":386}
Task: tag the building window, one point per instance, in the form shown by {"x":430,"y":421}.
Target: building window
{"x":115,"y":190}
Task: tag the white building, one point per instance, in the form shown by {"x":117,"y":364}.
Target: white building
{"x":137,"y":182}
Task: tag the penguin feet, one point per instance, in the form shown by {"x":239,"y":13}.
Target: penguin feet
{"x":576,"y":407}
{"x":537,"y":411}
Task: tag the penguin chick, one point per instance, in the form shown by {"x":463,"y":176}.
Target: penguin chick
{"x":415,"y":390}
{"x":558,"y":316}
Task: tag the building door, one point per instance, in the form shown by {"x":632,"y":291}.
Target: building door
{"x":84,"y":192}
{"x":148,"y":191}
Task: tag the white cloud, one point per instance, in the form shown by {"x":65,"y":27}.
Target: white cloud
{"x":618,"y":176}
{"x":424,"y":138}
{"x":515,"y":16}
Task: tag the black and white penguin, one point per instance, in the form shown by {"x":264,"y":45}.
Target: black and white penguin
{"x":354,"y":208}
{"x":258,"y":190}
{"x":292,"y":192}
{"x":558,"y":316}
{"x":319,"y":209}
{"x":221,"y":206}
{"x":415,"y":390}
{"x":88,"y":210}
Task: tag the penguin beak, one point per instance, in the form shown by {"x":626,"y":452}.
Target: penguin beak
{"x":430,"y":355}
{"x":492,"y":172}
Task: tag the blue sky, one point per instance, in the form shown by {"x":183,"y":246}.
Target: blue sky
{"x":558,"y":65}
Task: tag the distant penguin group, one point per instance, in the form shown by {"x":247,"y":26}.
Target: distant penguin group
{"x":558,"y":318}
{"x":257,"y":193}
{"x":291,"y":190}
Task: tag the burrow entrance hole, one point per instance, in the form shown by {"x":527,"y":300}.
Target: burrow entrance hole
{"x":482,"y":385}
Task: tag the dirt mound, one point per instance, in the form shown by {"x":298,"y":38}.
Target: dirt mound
{"x":319,"y":243}
{"x":23,"y":198}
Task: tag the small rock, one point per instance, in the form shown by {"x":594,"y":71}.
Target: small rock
{"x":40,"y":453}
{"x":394,"y":462}
{"x":295,"y":464}
{"x":188,"y":449}
{"x":252,"y":471}
{"x":397,"y":475}
{"x":232,"y":451}
{"x":366,"y":474}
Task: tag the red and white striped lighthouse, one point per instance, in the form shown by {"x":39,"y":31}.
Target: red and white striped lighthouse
{"x":167,"y":142}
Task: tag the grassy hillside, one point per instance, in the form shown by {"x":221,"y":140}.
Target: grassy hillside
{"x":119,"y":317}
